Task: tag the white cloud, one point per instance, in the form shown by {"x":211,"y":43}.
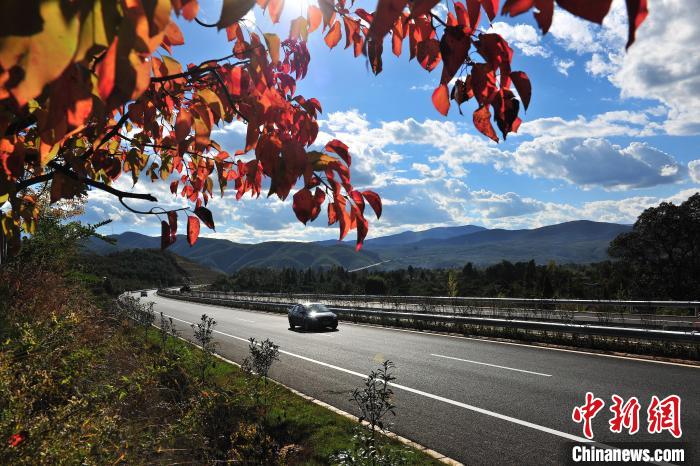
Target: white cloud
{"x":663,"y":64}
{"x":563,"y":65}
{"x":613,"y":123}
{"x":495,"y":206}
{"x":596,"y":162}
{"x":523,"y":37}
{"x":694,"y":170}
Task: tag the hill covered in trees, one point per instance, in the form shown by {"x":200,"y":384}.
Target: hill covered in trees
{"x":134,"y":269}
{"x":578,"y":242}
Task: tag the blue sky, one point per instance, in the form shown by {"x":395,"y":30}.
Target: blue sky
{"x":607,"y":134}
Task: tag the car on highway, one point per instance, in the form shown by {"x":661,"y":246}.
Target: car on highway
{"x":312,"y":316}
{"x":144,"y":293}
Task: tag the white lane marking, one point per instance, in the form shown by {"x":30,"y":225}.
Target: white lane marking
{"x":245,"y":320}
{"x":469,"y":407}
{"x":491,"y":365}
{"x":486,"y":340}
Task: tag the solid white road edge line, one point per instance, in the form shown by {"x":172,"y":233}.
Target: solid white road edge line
{"x":491,"y":365}
{"x":469,"y":407}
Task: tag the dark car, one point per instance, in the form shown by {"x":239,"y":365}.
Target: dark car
{"x":312,"y":316}
{"x":144,"y":293}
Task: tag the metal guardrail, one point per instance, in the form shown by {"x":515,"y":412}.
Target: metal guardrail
{"x":572,"y":328}
{"x":658,"y":314}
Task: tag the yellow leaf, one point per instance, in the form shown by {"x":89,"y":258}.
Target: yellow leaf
{"x":273,"y":46}
{"x":44,"y":55}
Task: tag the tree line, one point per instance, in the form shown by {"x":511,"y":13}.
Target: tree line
{"x":658,"y":259}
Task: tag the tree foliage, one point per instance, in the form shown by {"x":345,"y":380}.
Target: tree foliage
{"x":91,"y":91}
{"x":663,"y":250}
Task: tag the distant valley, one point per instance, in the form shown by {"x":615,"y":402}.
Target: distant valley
{"x":571,"y":242}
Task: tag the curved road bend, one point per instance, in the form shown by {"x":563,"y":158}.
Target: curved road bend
{"x":477,"y":401}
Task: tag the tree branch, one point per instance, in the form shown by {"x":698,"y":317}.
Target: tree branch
{"x":99,"y":185}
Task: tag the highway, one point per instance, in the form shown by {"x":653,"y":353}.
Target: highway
{"x":476,"y":401}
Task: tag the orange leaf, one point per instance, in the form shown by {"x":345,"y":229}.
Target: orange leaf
{"x":482,"y":122}
{"x":441,"y":99}
{"x":192,"y":229}
{"x":313,"y":16}
{"x":334,"y":35}
{"x":183,"y":124}
{"x":339,"y":148}
{"x":275,"y":8}
{"x":106,"y":71}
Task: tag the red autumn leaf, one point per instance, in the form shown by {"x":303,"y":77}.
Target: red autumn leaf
{"x":334,"y":35}
{"x":205,"y":215}
{"x":454,"y":47}
{"x":483,"y":80}
{"x":173,"y":186}
{"x":106,"y":71}
{"x":362,"y":229}
{"x":384,"y":17}
{"x":338,"y":147}
{"x":357,"y":198}
{"x":303,"y":205}
{"x":313,"y":16}
{"x":636,"y":14}
{"x":192,"y":229}
{"x":482,"y":122}
{"x":172,"y":221}
{"x":165,"y":238}
{"x":592,"y":10}
{"x":490,"y":7}
{"x":506,"y":108}
{"x":474,"y":10}
{"x":332,"y":218}
{"x":522,"y":84}
{"x":183,"y":124}
{"x":441,"y":99}
{"x":428,"y":54}
{"x":545,"y":14}
{"x":374,"y":53}
{"x":422,"y":7}
{"x":374,"y":201}
{"x":516,"y":7}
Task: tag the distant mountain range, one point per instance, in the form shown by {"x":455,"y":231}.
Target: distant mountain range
{"x":580,"y":241}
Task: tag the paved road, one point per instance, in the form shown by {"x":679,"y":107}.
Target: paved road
{"x":603,"y":318}
{"x":477,"y":401}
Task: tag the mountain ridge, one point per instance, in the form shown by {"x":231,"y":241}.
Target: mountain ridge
{"x":579,"y":241}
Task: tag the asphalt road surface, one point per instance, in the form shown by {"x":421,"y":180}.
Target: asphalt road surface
{"x":477,"y":401}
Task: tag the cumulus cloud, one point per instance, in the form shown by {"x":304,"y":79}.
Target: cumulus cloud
{"x":694,"y":170}
{"x":597,"y":162}
{"x":495,"y":206}
{"x":563,"y":65}
{"x":613,"y":123}
{"x":522,"y":37}
{"x":663,"y":64}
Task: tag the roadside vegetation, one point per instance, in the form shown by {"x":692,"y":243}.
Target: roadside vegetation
{"x":85,"y":379}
